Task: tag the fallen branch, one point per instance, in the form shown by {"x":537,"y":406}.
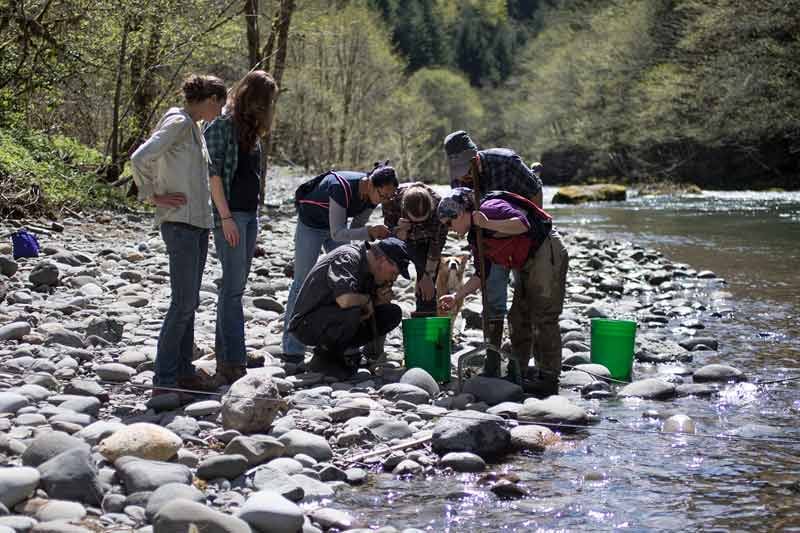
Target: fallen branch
{"x":403,"y":445}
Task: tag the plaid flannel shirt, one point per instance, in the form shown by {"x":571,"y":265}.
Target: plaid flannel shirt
{"x":502,"y":169}
{"x":222,"y":140}
{"x":431,"y":230}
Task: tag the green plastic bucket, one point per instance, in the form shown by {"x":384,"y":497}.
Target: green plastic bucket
{"x":426,"y":344}
{"x":612,"y":346}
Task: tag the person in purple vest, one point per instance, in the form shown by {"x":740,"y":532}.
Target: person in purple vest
{"x":517,"y":235}
{"x":324,"y":206}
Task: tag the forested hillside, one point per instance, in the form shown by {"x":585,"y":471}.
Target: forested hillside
{"x":632,"y":90}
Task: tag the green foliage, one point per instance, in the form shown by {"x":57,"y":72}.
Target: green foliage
{"x":43,"y":174}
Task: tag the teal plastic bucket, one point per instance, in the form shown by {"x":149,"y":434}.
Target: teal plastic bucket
{"x":426,"y":345}
{"x":613,"y":344}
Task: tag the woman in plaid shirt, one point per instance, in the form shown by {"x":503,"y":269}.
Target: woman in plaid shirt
{"x":235,"y":176}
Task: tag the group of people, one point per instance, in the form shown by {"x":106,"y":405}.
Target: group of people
{"x":341,"y":303}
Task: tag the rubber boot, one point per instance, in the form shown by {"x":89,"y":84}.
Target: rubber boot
{"x":541,"y":383}
{"x":517,"y":367}
{"x":494,"y":334}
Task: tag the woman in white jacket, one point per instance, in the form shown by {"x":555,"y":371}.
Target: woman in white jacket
{"x":171,"y":171}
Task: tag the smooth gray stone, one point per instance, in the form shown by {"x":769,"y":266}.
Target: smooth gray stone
{"x":14,"y":331}
{"x":18,"y":523}
{"x":106,"y":328}
{"x":404,"y":391}
{"x":471,"y":431}
{"x":693,"y":342}
{"x":49,"y":444}
{"x":356,"y":476}
{"x":170,"y":492}
{"x":286,"y":465}
{"x":267,"y":478}
{"x":115,"y":503}
{"x":269,"y":511}
{"x":60,"y":510}
{"x":555,"y":410}
{"x":116,"y":372}
{"x":11,"y":402}
{"x":463,"y":462}
{"x":700,"y":390}
{"x":97,"y":431}
{"x":59,"y":526}
{"x":407,"y":467}
{"x":386,"y":428}
{"x":35,"y":393}
{"x":177,"y":516}
{"x":650,"y":389}
{"x":64,"y":338}
{"x":329,"y":472}
{"x":312,"y":488}
{"x":297,"y":441}
{"x":72,"y":475}
{"x":505,"y":409}
{"x":718,"y":374}
{"x":44,"y":273}
{"x":140,"y":475}
{"x":222,"y":466}
{"x":332,"y":519}
{"x":17,"y":484}
{"x":86,"y":387}
{"x":88,"y":405}
{"x":422,"y":379}
{"x":493,"y":391}
{"x":257,"y":449}
{"x":203,"y":408}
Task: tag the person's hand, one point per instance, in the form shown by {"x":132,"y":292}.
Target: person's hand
{"x":425,"y":287}
{"x":447,"y":302}
{"x":479,"y":219}
{"x":384,"y":294}
{"x":378,"y":232}
{"x":231,"y":232}
{"x":169,"y":200}
{"x":367,"y":310}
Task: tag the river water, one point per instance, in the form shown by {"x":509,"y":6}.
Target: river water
{"x":610,"y":478}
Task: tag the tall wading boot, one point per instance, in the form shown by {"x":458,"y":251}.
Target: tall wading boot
{"x":494,"y":334}
{"x":517,"y":367}
{"x":541,"y":383}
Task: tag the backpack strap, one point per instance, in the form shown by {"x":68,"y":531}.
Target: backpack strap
{"x":348,"y":192}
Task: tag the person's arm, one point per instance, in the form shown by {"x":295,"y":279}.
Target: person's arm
{"x":447,"y":301}
{"x":216,"y":136}
{"x":144,"y":158}
{"x":509,"y":226}
{"x":337,"y":220}
{"x":352,"y":299}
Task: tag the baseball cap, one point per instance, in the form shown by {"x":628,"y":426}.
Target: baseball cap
{"x":397,"y":251}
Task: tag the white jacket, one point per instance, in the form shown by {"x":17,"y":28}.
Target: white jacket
{"x":175,"y":160}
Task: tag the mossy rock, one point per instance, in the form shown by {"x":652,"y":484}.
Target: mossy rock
{"x":578,"y":194}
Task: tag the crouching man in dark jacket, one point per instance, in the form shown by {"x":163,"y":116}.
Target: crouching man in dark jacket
{"x":343,"y":293}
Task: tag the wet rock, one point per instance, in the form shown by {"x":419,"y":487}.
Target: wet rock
{"x":72,"y":475}
{"x":312,"y":489}
{"x":269,"y":511}
{"x":463,"y":462}
{"x":406,"y":392}
{"x":422,"y":379}
{"x":251,"y":404}
{"x":329,"y":518}
{"x":140,"y":475}
{"x":471,"y":431}
{"x":700,"y":390}
{"x":297,"y":441}
{"x":407,"y":467}
{"x":143,"y":440}
{"x":507,"y":490}
{"x":256,"y":449}
{"x":493,"y":391}
{"x":356,"y":476}
{"x":532,"y":437}
{"x":222,"y":466}
{"x":648,"y":389}
{"x":693,"y":343}
{"x":183,"y":515}
{"x":718,"y":374}
{"x":17,"y":484}
{"x":555,"y":410}
{"x":48,"y":445}
{"x":678,"y":424}
{"x":8,"y":267}
{"x":330,"y":472}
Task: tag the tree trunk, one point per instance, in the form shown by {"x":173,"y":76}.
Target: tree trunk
{"x":113,"y":170}
{"x":280,"y":27}
{"x":253,"y":38}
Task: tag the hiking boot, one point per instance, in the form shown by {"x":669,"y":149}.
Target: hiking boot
{"x":540,"y":384}
{"x":200,"y":381}
{"x":183,"y":398}
{"x":330,"y":364}
{"x":231,"y":373}
{"x":494,"y":334}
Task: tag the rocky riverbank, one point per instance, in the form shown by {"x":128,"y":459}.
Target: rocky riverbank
{"x":83,"y":448}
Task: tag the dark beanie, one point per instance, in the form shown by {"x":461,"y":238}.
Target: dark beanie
{"x":457,"y":142}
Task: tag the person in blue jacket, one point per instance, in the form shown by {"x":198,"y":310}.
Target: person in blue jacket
{"x":324,"y":206}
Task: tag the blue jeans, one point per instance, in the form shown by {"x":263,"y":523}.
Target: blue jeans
{"x":497,"y":292}
{"x":187,"y":247}
{"x":307,"y":244}
{"x":229,"y":345}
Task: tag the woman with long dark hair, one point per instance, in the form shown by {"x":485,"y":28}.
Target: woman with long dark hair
{"x":236,"y":173}
{"x":171,"y":171}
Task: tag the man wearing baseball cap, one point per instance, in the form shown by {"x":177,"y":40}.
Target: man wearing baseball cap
{"x":339,"y":298}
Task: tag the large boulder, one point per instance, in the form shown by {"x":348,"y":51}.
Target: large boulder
{"x":46,"y":446}
{"x":143,"y":440}
{"x":578,"y":194}
{"x":471,"y":431}
{"x":493,"y":390}
{"x":269,"y":511}
{"x":251,"y":404}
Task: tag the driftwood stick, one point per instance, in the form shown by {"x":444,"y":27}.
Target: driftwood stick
{"x":403,"y":445}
